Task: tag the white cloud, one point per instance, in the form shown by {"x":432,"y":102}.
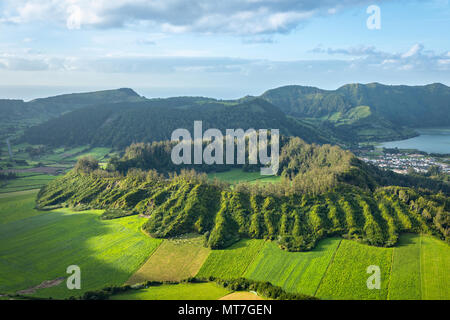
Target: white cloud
{"x":242,"y":17}
{"x":75,"y":17}
{"x":359,"y":59}
{"x":415,"y":58}
{"x":415,"y":50}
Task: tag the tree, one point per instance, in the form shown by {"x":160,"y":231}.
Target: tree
{"x":87,"y":164}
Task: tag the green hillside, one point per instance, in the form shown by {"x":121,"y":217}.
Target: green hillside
{"x":413,"y":106}
{"x":329,"y":192}
{"x":38,"y":246}
{"x":109,"y":252}
{"x":18,"y":115}
{"x":118,"y":125}
{"x":367,"y":112}
{"x":350,"y":114}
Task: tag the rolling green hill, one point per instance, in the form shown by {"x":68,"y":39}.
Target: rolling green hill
{"x":119,"y":125}
{"x":18,"y":114}
{"x":350,"y":114}
{"x":368,"y":112}
{"x":413,"y":106}
{"x":325,"y":191}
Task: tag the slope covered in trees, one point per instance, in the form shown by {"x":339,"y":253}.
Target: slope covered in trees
{"x":309,"y":168}
{"x":413,"y":106}
{"x":368,"y":112}
{"x":18,"y":114}
{"x":119,"y":125}
{"x":350,"y":114}
{"x":328,"y":193}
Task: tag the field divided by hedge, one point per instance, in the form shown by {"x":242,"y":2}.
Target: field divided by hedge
{"x":405,"y":282}
{"x":417,"y":268}
{"x":296,"y":272}
{"x":347,"y":276}
{"x":435,"y":266}
{"x":174,"y":260}
{"x":231,"y":263}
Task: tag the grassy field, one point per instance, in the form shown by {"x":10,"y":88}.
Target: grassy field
{"x":242,"y":295}
{"x":237,"y":175}
{"x":182,"y":291}
{"x":97,"y":153}
{"x":17,"y":206}
{"x":36,"y":246}
{"x":29,"y":182}
{"x":336,"y":269}
{"x":405,"y":276}
{"x":435,"y":266}
{"x":174,"y":260}
{"x":39,"y":246}
{"x":232,"y":262}
{"x":66,"y":156}
{"x":346,"y":276}
{"x":294,"y":271}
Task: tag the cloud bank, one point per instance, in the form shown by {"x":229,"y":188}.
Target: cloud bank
{"x":239,"y":17}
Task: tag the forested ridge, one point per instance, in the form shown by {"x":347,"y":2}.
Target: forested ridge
{"x":324,"y":191}
{"x":121,"y":124}
{"x":348,"y":115}
{"x":308,"y":168}
{"x":413,"y":106}
{"x":367,"y":112}
{"x":18,"y":114}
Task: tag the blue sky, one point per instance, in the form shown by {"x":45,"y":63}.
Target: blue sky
{"x":223,"y":49}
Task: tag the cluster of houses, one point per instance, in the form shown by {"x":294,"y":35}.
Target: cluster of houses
{"x":402,"y":162}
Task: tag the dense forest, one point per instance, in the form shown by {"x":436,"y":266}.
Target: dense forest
{"x":324,"y":191}
{"x":351,"y":114}
{"x":310,"y":168}
{"x":372,"y":112}
{"x":18,"y":115}
{"x":121,"y":124}
{"x":412,"y":106}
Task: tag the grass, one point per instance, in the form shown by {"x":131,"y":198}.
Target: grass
{"x":232,"y":262}
{"x":242,"y":295}
{"x":435,"y":266}
{"x":38,"y":246}
{"x":405,"y":283}
{"x":298,"y":272}
{"x":17,"y":206}
{"x":174,"y":260}
{"x":346,"y":277}
{"x":97,"y":153}
{"x":33,"y":181}
{"x":182,"y":291}
{"x":234,"y":176}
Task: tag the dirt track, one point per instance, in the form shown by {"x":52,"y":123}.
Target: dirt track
{"x":45,"y":170}
{"x":43,"y":285}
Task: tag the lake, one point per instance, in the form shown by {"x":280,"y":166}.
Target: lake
{"x":431,"y":140}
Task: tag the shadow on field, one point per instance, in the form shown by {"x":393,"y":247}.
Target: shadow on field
{"x":406,"y":239}
{"x":38,"y":248}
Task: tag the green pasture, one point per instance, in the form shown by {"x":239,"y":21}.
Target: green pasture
{"x":298,"y":272}
{"x":235,"y":176}
{"x":38,"y":246}
{"x":182,"y":291}
{"x":232,"y":262}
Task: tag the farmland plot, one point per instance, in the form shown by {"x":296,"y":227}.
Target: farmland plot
{"x":297,"y":272}
{"x":232,"y":262}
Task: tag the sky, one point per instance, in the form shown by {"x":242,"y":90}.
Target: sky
{"x":216,"y":48}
